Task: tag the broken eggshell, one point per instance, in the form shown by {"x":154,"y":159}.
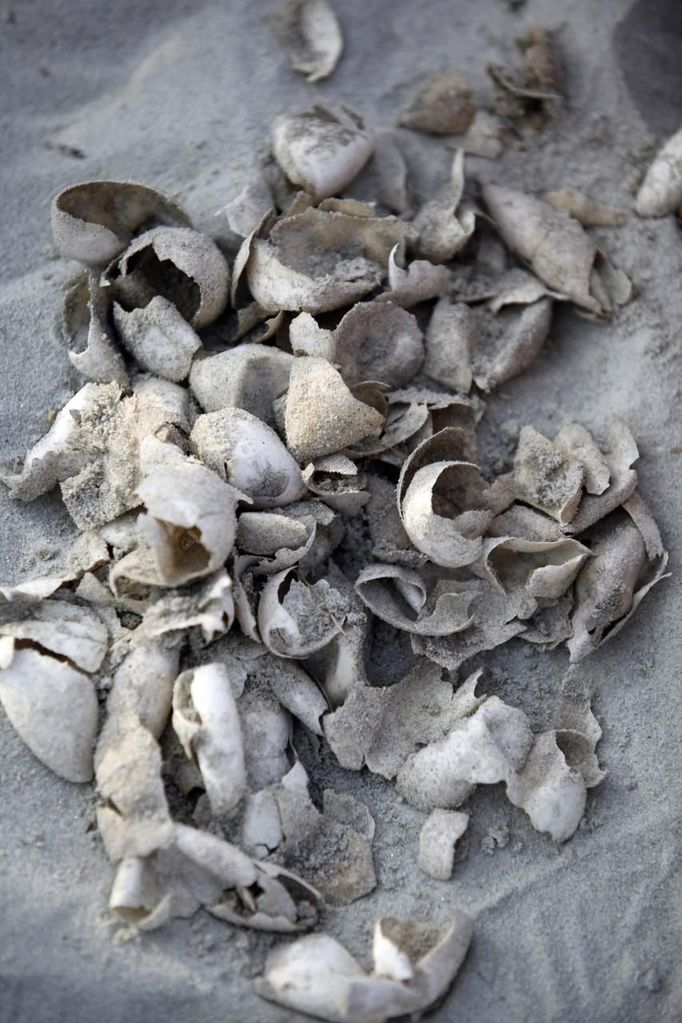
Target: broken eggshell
{"x":321,"y":150}
{"x":442,"y":106}
{"x":661,"y":190}
{"x":182,"y":266}
{"x":322,"y":415}
{"x":294,"y":618}
{"x":158,"y":337}
{"x":557,"y":249}
{"x":206,"y":721}
{"x":95,"y":220}
{"x":310,"y":34}
{"x":249,"y":455}
{"x":189,"y":521}
{"x":51,"y":706}
{"x":93,"y":351}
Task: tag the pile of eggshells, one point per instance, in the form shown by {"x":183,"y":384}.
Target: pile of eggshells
{"x":273,"y":467}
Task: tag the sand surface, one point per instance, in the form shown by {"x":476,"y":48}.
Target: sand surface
{"x":180,"y":94}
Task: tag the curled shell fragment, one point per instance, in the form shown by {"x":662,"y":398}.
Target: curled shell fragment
{"x":94,"y":221}
{"x":310,"y":34}
{"x":181,"y":265}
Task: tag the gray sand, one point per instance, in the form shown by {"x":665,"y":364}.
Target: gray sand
{"x":180,"y":94}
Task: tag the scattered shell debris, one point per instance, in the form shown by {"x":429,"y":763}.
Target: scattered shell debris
{"x":272,"y":455}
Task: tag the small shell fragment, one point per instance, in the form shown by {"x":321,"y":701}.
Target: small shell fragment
{"x":400,"y":597}
{"x":52,"y":707}
{"x":438,"y":838}
{"x":321,"y":150}
{"x":589,"y":212}
{"x":94,"y":221}
{"x":661,"y":190}
{"x":442,"y":227}
{"x":294,"y":618}
{"x":419,"y":282}
{"x":443,"y":106}
{"x":549,"y":788}
{"x":92,"y":347}
{"x":547,"y":477}
{"x":310,"y":34}
{"x":450,"y":340}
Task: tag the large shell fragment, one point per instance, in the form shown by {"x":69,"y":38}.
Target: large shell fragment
{"x":181,"y":265}
{"x":250,"y":377}
{"x":297,"y":267}
{"x":206,"y":720}
{"x":485,"y":748}
{"x":309,"y":32}
{"x":373,"y":341}
{"x":661,"y":190}
{"x":190,"y":520}
{"x":94,"y":221}
{"x":415,"y":963}
{"x":197,"y":869}
{"x":68,"y":631}
{"x":158,"y":337}
{"x":557,"y":249}
{"x":248,"y":455}
{"x":52,"y":707}
{"x":321,"y":150}
{"x":443,"y":106}
{"x":322,"y":415}
{"x":547,"y":477}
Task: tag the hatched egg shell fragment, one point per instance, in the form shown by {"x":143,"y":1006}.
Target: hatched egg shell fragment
{"x":415,"y":962}
{"x":322,"y":416}
{"x":483,"y":749}
{"x":321,"y":150}
{"x":93,"y":351}
{"x":190,"y":521}
{"x":450,"y":339}
{"x":250,"y":376}
{"x":547,"y":477}
{"x":52,"y":707}
{"x":373,"y":341}
{"x":442,"y":106}
{"x":248,"y":455}
{"x":66,"y":630}
{"x":556,"y":248}
{"x":206,"y":721}
{"x":310,"y":34}
{"x":438,"y":839}
{"x":294,"y":619}
{"x":158,"y":337}
{"x":95,"y":220}
{"x":661,"y":190}
{"x":183,"y":266}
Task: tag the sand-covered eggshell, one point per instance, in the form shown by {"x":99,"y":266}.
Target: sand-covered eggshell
{"x":95,"y":220}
